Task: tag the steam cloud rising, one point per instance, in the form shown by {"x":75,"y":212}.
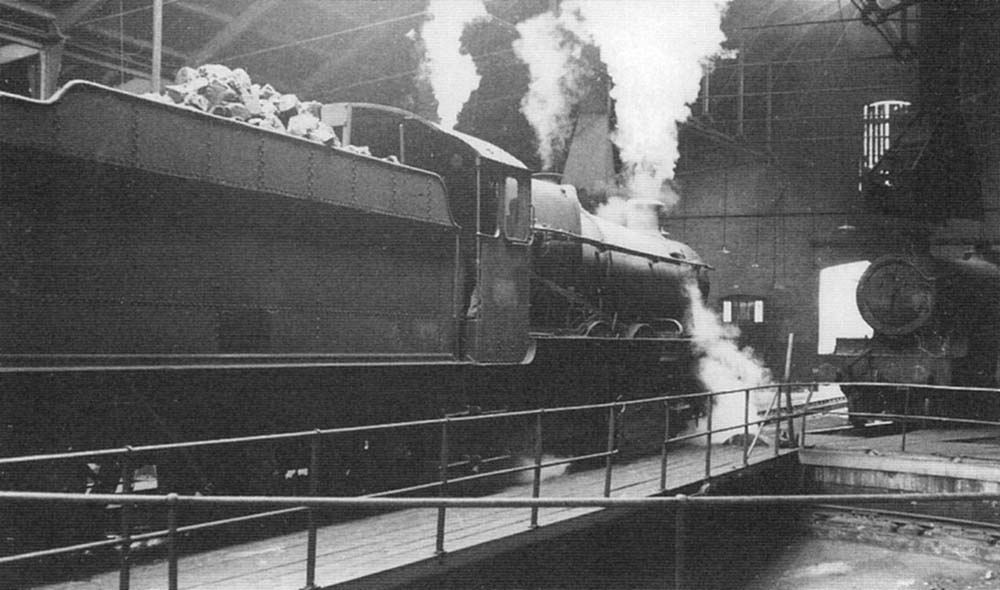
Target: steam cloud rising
{"x":654,"y":51}
{"x":557,"y":80}
{"x":723,"y":365}
{"x":451,"y":73}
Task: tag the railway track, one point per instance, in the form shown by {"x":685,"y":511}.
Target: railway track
{"x":973,"y":539}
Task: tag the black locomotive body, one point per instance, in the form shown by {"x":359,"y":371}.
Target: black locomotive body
{"x":170,"y":275}
{"x":935,"y":322}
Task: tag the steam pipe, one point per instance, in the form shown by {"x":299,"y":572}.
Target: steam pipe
{"x":620,"y":249}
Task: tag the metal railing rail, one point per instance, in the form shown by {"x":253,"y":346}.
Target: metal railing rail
{"x":135,"y":450}
{"x":775,"y":414}
{"x":130,"y":456}
{"x":680,"y":503}
{"x":906,"y":390}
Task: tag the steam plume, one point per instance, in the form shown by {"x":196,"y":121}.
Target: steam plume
{"x":451,"y":73}
{"x":722,"y":365}
{"x":553,"y":59}
{"x":654,"y":51}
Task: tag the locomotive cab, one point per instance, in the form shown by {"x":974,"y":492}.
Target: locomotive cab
{"x":489,"y":195}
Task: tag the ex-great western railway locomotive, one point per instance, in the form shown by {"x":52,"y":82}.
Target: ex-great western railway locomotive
{"x":935,"y":322}
{"x":170,"y":275}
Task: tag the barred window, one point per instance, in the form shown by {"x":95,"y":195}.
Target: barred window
{"x":877,"y":118}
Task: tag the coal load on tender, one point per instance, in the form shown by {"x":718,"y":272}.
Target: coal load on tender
{"x":225,"y":92}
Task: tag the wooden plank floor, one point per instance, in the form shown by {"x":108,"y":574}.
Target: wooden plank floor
{"x":935,"y":460}
{"x":360,"y":548}
{"x":982,"y":443}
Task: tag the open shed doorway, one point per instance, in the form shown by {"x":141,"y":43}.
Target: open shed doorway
{"x":838,"y":309}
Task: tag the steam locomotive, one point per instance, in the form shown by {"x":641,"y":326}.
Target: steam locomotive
{"x":170,"y":275}
{"x":935,"y":323}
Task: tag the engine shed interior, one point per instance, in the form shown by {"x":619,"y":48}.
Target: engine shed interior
{"x":263,"y":247}
{"x":830,"y":133}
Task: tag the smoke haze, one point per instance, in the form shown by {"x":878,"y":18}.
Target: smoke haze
{"x":451,"y":73}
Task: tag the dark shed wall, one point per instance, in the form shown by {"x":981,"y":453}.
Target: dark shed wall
{"x":768,"y":207}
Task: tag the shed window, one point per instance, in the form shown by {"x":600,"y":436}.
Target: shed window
{"x":743,"y":311}
{"x":879,"y":129}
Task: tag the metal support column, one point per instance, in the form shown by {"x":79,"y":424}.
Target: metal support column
{"x":156,"y":74}
{"x":311,"y":543}
{"x":125,"y":558}
{"x":172,"y":541}
{"x":666,"y":441}
{"x":536,"y":484}
{"x":740,"y":96}
{"x":610,"y":449}
{"x":442,"y":490}
{"x":680,"y":542}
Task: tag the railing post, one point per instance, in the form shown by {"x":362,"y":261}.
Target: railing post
{"x":126,"y":522}
{"x":906,"y":420}
{"x":746,"y":428}
{"x":610,"y":449}
{"x":770,"y":107}
{"x":788,"y":391}
{"x":442,"y":491}
{"x":805,"y":414}
{"x":172,"y":541}
{"x":680,"y":542}
{"x":791,"y":417}
{"x":536,"y":485}
{"x":708,"y":440}
{"x":663,"y":451}
{"x":777,"y":422}
{"x":314,"y":475}
{"x":740,"y":95}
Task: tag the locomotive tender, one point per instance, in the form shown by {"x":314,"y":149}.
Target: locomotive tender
{"x":170,"y":275}
{"x":935,"y":323}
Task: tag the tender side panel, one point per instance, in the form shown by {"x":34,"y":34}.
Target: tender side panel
{"x":109,"y":260}
{"x":95,"y":123}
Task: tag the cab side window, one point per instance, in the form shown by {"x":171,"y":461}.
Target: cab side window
{"x":516,"y":210}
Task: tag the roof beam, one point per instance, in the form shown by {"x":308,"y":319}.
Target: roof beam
{"x":68,"y":18}
{"x":233,"y":29}
{"x":136,"y":42}
{"x":328,"y":68}
{"x":28,"y":9}
{"x":264,"y":32}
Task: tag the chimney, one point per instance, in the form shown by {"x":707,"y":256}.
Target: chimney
{"x":590,"y":159}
